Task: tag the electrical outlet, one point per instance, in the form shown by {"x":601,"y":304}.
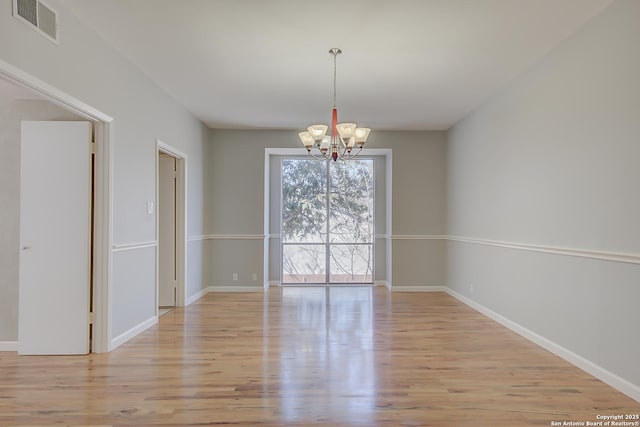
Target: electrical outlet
{"x":235,"y":277}
{"x":254,"y":277}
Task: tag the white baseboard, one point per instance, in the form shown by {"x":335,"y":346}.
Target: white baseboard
{"x":193,"y":298}
{"x":8,"y":345}
{"x":252,"y":288}
{"x":126,"y":336}
{"x":214,"y":288}
{"x":620,"y":384}
{"x":418,"y":288}
{"x":276,"y":283}
{"x":383,"y":283}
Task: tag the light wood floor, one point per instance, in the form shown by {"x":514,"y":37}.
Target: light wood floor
{"x":313,"y":356}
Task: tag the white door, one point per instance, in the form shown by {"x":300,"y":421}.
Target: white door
{"x":167,"y":231}
{"x":55,"y":253}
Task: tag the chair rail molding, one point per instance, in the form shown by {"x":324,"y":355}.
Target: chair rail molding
{"x":629,"y":258}
{"x":132,"y":246}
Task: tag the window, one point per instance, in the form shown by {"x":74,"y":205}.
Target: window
{"x":327,"y":221}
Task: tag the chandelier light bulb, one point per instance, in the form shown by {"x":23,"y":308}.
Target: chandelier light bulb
{"x":346,"y":130}
{"x":306,"y":139}
{"x":361,"y":135}
{"x":318,"y":131}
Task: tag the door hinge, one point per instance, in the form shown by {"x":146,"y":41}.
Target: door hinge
{"x":91,"y":318}
{"x":93,"y":147}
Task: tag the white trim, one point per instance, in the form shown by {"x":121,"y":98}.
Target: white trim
{"x":103,"y":197}
{"x":277,"y":283}
{"x":265,"y":266}
{"x":383,"y":283}
{"x":227,"y":237}
{"x":235,"y":236}
{"x":214,"y":288}
{"x":253,"y":288}
{"x":52,"y":94}
{"x":591,"y":368}
{"x":418,"y":237}
{"x":412,"y":236}
{"x":133,"y":246}
{"x":193,"y":298}
{"x":420,"y":288}
{"x":181,"y":219}
{"x":8,"y":345}
{"x":629,"y":258}
{"x":303,"y":152}
{"x":266,"y":187}
{"x":136,"y":330}
{"x":168,"y":149}
{"x":389,"y":216}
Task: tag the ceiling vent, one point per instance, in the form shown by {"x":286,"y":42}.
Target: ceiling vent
{"x":38,"y":16}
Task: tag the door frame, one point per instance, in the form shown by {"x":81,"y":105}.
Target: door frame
{"x":181,"y":221}
{"x":103,"y":196}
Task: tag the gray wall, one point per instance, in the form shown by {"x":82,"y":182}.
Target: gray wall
{"x":419,"y":206}
{"x":235,"y":203}
{"x":11,"y":114}
{"x":236,"y":207}
{"x":552,"y":160}
{"x":85,"y":67}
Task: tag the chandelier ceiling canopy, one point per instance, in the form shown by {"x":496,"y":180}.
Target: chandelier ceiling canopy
{"x":344,"y":137}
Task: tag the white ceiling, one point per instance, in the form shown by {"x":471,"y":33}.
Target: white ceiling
{"x":407,"y":64}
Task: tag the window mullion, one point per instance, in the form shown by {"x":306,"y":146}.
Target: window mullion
{"x":327,"y":240}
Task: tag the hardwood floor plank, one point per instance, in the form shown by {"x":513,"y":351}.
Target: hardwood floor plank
{"x":313,"y":356}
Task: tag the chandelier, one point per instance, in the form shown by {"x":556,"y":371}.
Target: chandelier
{"x":344,"y":137}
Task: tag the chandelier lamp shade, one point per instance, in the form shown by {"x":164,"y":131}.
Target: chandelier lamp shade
{"x":345,"y":140}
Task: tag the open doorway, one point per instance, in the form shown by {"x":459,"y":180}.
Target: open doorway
{"x":167,"y":280}
{"x":171,"y":228}
{"x":44,"y":100}
{"x":23,"y":245}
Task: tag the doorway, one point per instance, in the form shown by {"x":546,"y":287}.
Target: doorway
{"x":167,"y":280}
{"x":101,"y":218}
{"x":170,"y":228}
{"x":327,"y":221}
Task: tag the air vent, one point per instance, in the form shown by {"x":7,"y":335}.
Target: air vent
{"x":38,"y":16}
